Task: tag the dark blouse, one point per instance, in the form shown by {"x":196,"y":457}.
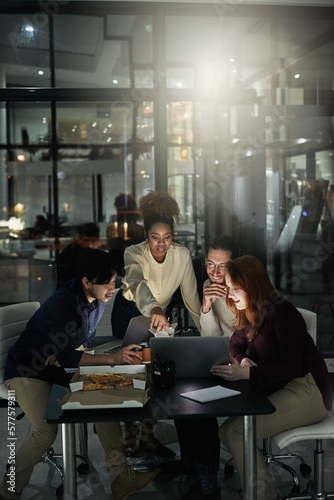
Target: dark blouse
{"x":283,"y":350}
{"x":64,"y":322}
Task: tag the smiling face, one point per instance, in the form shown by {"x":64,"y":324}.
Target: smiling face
{"x":215,"y":264}
{"x":102,"y":292}
{"x":237,"y":294}
{"x":159,"y":240}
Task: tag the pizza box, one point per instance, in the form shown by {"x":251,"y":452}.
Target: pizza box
{"x":134,"y":396}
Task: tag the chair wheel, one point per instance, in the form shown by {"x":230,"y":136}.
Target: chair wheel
{"x":83,"y":468}
{"x":59,"y":492}
{"x":305,"y":469}
{"x":229,"y":470}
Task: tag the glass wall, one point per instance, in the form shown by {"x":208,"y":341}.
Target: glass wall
{"x":230,"y":109}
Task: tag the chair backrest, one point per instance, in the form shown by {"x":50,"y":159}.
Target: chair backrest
{"x":13,"y":320}
{"x":310,"y":319}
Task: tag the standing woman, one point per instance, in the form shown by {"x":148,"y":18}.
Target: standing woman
{"x":272,"y":348}
{"x":155,"y":268}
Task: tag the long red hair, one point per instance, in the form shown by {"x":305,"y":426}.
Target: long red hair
{"x":248,"y":272}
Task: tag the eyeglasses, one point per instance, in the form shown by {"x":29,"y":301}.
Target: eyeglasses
{"x":211,"y":267}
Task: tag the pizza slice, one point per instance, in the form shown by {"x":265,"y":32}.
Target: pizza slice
{"x":101,"y":378}
{"x":125,"y":383}
{"x":101,"y":381}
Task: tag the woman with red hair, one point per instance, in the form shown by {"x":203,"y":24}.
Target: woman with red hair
{"x":272,"y":348}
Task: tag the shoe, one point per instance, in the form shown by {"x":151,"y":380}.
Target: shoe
{"x":129,"y":481}
{"x":195,"y":493}
{"x":170,"y":470}
{"x":154,"y":446}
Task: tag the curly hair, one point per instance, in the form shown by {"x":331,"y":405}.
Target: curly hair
{"x":158,"y":206}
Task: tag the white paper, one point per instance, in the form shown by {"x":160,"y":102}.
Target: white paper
{"x":210,"y":394}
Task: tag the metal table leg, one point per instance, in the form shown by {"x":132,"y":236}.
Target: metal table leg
{"x":250,"y":482}
{"x":69,"y":461}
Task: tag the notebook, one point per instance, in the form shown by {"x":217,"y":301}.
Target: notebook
{"x":210,"y":394}
{"x":193,"y":356}
{"x":136,"y":332}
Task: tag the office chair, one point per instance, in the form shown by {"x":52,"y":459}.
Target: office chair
{"x":292,"y":435}
{"x":13,"y":319}
{"x":319,"y":431}
{"x":310,"y":319}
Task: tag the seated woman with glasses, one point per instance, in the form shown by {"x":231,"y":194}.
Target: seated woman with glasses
{"x":198,"y":437}
{"x":216,"y":318}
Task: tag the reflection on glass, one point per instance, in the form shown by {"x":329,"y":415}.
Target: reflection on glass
{"x":29,"y":129}
{"x":179,"y":122}
{"x":88,"y":54}
{"x":24,"y":55}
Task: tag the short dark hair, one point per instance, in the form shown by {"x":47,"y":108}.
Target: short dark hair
{"x":224,"y":242}
{"x":96,"y":265}
{"x":127,"y":210}
{"x":89,"y":229}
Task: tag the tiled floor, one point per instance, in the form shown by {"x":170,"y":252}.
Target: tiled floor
{"x":96,"y":485}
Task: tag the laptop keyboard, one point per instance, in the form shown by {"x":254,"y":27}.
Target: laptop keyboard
{"x":112,"y":350}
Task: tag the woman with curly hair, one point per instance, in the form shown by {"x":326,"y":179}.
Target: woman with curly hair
{"x":272,"y":348}
{"x":155,"y":268}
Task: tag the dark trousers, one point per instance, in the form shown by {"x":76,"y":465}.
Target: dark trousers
{"x":122,"y":313}
{"x":199,"y":443}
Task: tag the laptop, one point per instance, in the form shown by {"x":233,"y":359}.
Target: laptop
{"x":193,"y":356}
{"x":136,"y":332}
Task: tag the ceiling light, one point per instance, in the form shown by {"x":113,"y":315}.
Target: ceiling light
{"x":115,"y":81}
{"x":41,"y":72}
{"x":297,"y":75}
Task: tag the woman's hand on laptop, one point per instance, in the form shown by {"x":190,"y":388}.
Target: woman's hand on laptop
{"x":232,"y":371}
{"x":247,"y":362}
{"x":158,"y":319}
{"x":126,"y":355}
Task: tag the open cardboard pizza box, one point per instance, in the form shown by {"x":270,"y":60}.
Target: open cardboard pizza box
{"x":132,"y":396}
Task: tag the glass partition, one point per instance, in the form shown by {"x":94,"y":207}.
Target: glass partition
{"x":230,"y":108}
{"x":24,"y":50}
{"x":91,"y":51}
